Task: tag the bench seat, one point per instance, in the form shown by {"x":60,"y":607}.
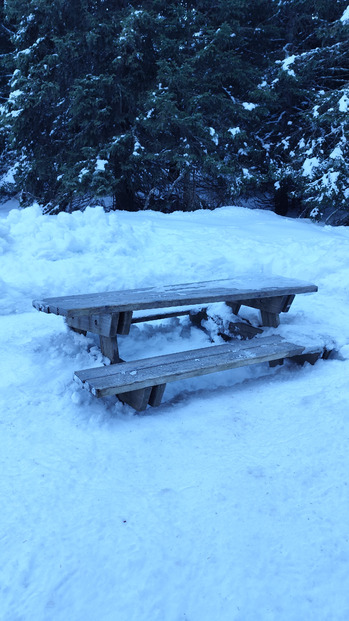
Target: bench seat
{"x":142,"y":382}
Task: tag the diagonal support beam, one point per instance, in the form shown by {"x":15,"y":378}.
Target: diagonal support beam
{"x":137,"y":399}
{"x":270,"y":308}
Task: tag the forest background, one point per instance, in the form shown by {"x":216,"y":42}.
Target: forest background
{"x":176,"y":105}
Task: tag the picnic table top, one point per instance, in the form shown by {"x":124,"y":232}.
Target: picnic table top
{"x":207,"y":292}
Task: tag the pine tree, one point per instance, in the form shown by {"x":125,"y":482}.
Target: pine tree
{"x":61,"y":51}
{"x":190,"y":139}
{"x":5,"y":55}
{"x":149,"y":103}
{"x":306,"y":131}
{"x":179,"y":104}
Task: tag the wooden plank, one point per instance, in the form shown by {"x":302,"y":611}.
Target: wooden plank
{"x":138,"y":374}
{"x":124,"y":324}
{"x":160,"y":315}
{"x":287,"y":303}
{"x":244,"y":330}
{"x":270,"y":320}
{"x":158,"y":360}
{"x":104,"y":325}
{"x":235,"y":307}
{"x":78,"y":331}
{"x":229,"y":290}
{"x":276,"y":363}
{"x":156,"y":395}
{"x":270,"y":308}
{"x":109,"y":348}
{"x":137,"y":399}
{"x":276,"y":304}
{"x":233,"y":329}
{"x":310,"y":357}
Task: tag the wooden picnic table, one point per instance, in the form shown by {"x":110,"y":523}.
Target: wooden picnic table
{"x":142,"y":382}
{"x":111,"y":313}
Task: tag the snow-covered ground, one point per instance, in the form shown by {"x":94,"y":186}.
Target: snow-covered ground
{"x":230,"y":501}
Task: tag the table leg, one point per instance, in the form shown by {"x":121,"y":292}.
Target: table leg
{"x":110,"y":348}
{"x":235,"y":307}
{"x":270,"y":308}
{"x":124,"y":323}
{"x":270,"y":320}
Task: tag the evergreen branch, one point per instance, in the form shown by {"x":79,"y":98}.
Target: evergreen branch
{"x":229,"y":95}
{"x":7,"y":30}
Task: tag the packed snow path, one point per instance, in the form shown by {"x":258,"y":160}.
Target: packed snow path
{"x":230,"y":501}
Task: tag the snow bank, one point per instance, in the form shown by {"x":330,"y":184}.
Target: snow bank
{"x":227,"y":502}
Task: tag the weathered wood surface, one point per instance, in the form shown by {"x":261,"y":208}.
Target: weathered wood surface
{"x":227,"y":331}
{"x":241,"y":329}
{"x":231,"y":290}
{"x":110,"y":348}
{"x":269,"y":308}
{"x":161,"y":315}
{"x":139,"y":399}
{"x":156,"y":395}
{"x":104,"y":325}
{"x":139,"y":374}
{"x":275,"y":304}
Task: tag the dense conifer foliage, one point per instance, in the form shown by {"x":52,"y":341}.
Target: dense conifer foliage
{"x":176,"y":105}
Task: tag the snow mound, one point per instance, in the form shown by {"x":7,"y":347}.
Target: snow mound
{"x":220,"y":503}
